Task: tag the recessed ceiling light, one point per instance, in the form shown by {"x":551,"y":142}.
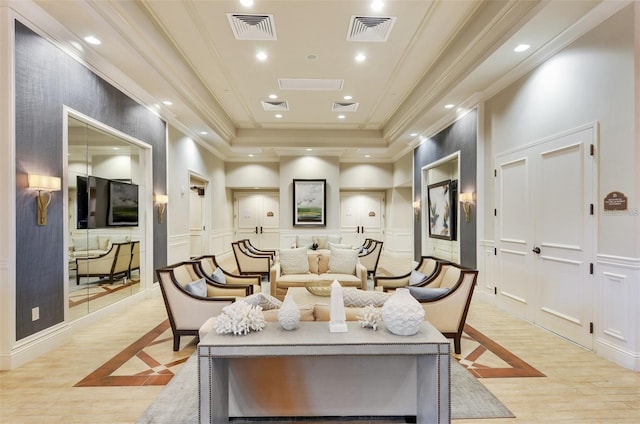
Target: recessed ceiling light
{"x":92,"y":40}
{"x":273,"y":96}
{"x":246,"y":3}
{"x":167,"y":102}
{"x":250,"y":155}
{"x":204,"y":132}
{"x":449,"y":106}
{"x":348,"y":97}
{"x":309,"y":150}
{"x":341,"y":116}
{"x":521,"y":48}
{"x":115,"y":148}
{"x":360,"y":57}
{"x":312,"y":56}
{"x":77,"y":45}
{"x":367,"y":156}
{"x":377,"y":5}
{"x":261,"y":56}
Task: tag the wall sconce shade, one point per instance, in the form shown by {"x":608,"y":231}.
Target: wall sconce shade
{"x":44,"y":184}
{"x":161,"y":200}
{"x":466,"y":199}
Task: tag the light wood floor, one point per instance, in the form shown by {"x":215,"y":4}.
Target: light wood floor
{"x":579,"y":387}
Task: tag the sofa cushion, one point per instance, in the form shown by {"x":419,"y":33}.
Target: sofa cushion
{"x":341,"y":246}
{"x":218,"y":276}
{"x":322,"y":241}
{"x":427,"y":293}
{"x":104,"y":242}
{"x":343,"y":261}
{"x":333,"y":239}
{"x":304,"y":241}
{"x":294,"y":261}
{"x":313,"y":258}
{"x":198,"y":288}
{"x":362,"y":298}
{"x":416,"y":277}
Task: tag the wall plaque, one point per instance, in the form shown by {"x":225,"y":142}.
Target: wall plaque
{"x":615,"y":201}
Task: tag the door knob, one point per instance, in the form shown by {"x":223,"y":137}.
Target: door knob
{"x":536,"y":250}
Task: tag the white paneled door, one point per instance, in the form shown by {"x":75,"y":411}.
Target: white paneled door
{"x":258,"y":219}
{"x":546,"y":233}
{"x":361,"y":217}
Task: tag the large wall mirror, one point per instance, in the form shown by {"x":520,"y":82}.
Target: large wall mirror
{"x":106,"y":217}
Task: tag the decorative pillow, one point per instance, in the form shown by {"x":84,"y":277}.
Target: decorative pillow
{"x":427,"y":293}
{"x":104,"y":242}
{"x":120,"y":239}
{"x":416,"y":277}
{"x":343,"y":261}
{"x":94,"y":244}
{"x":218,"y":276}
{"x":362,"y":298}
{"x":363,"y":250}
{"x":323,"y":242}
{"x":198,"y":288}
{"x":266,"y":301}
{"x":334,"y":239}
{"x":304,"y":241}
{"x":294,"y":261}
{"x":80,"y":243}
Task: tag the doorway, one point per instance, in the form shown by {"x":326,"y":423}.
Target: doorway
{"x":545,"y":224}
{"x":197,"y":215}
{"x":257,"y":218}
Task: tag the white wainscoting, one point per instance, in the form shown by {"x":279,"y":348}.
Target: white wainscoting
{"x":220,"y":241}
{"x":398,"y":242}
{"x":617,"y":310}
{"x":179,"y":248}
{"x":486,"y":267}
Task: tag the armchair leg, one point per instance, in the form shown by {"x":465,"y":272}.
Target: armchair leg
{"x":176,"y":342}
{"x":457,"y":345}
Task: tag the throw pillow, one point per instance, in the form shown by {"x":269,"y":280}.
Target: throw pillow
{"x":304,"y":241}
{"x":80,"y":243}
{"x":334,"y":239}
{"x":104,"y":242}
{"x":340,"y":246}
{"x":416,"y":277}
{"x":427,"y":293}
{"x":266,"y":301}
{"x":343,"y":261}
{"x":197,"y":288}
{"x":294,"y":261}
{"x":362,"y":298}
{"x":322,"y":242}
{"x":218,"y":276}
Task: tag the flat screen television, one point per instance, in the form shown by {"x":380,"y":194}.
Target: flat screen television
{"x":103,"y":203}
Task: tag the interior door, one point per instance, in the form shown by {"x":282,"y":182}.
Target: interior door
{"x":361,"y":217}
{"x":546,"y":233}
{"x":196,"y":223}
{"x":258,"y":219}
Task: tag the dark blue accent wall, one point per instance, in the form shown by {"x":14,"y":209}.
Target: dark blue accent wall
{"x":461,"y":136}
{"x":46,"y":79}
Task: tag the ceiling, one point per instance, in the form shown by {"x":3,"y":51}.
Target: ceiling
{"x":420,"y":56}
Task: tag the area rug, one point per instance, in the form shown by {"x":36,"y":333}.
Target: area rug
{"x":178,"y":401}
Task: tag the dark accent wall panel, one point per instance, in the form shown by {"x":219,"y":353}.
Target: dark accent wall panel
{"x":462,"y":135}
{"x":46,"y":79}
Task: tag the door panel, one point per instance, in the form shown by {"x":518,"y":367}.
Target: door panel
{"x":545,"y":254}
{"x":258,"y":219}
{"x":196,"y":224}
{"x":361,"y":216}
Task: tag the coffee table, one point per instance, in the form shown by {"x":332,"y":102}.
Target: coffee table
{"x":312,"y":372}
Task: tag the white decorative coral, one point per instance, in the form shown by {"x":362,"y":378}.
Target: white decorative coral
{"x":240,"y":318}
{"x":370,"y":317}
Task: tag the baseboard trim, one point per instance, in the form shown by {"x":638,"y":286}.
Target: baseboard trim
{"x":37,"y":345}
{"x":619,"y":356}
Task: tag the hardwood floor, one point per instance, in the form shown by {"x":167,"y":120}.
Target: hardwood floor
{"x":579,"y":387}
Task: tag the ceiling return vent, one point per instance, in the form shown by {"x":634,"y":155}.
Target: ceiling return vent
{"x":370,"y":28}
{"x":344,"y":107}
{"x":252,"y":27}
{"x":275,"y":106}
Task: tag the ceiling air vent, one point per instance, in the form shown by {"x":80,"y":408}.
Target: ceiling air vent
{"x":344,"y":107}
{"x":252,"y":27}
{"x":275,"y":106}
{"x":370,"y":28}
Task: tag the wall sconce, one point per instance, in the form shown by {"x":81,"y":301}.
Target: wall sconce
{"x":44,"y":184}
{"x":466,"y":199}
{"x":161,"y":200}
{"x":416,"y":209}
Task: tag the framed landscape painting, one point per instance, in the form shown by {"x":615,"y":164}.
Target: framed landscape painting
{"x":441,"y":210}
{"x":309,"y":203}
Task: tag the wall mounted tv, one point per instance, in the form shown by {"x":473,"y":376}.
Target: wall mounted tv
{"x":103,"y":203}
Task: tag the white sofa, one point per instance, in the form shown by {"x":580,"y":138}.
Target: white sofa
{"x":297,"y":267}
{"x":93,"y":245}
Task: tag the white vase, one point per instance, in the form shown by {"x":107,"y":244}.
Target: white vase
{"x":402,"y":313}
{"x":289,"y":314}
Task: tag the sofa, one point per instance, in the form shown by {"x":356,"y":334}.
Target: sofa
{"x":115,"y":262}
{"x":92,"y":245}
{"x":321,"y":241}
{"x":296,"y":267}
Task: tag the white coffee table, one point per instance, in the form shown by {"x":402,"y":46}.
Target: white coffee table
{"x":312,"y":372}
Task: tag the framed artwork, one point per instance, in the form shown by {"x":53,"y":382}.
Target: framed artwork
{"x":309,"y":203}
{"x":442,"y":210}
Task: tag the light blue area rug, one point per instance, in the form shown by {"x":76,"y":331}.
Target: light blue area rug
{"x":178,"y":401}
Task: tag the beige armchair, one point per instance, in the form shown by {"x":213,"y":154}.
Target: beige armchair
{"x":187,"y":311}
{"x":259,"y":252}
{"x":428,"y":266}
{"x":446,"y":298}
{"x":372,"y":257}
{"x":207,"y":266}
{"x":249,"y":263}
{"x":111,"y":264}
